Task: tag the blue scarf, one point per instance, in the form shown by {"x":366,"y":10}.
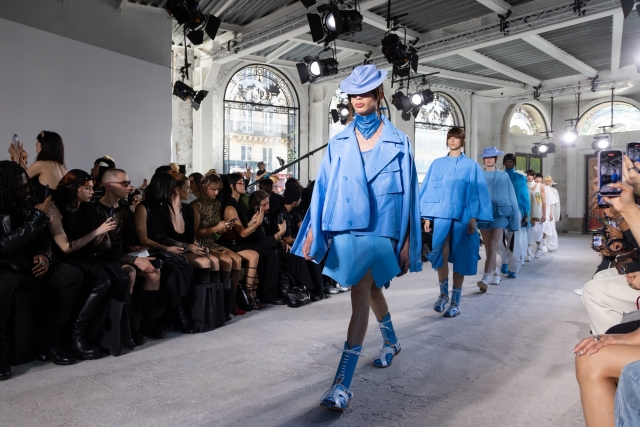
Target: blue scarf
{"x":368,"y":125}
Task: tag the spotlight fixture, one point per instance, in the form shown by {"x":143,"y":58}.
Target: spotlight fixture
{"x":421,"y":97}
{"x":544,"y":147}
{"x":340,"y":114}
{"x":308,"y":3}
{"x":570,"y":137}
{"x":401,"y":102}
{"x":186,"y":92}
{"x":188,"y":13}
{"x":403,"y":58}
{"x":601,"y":141}
{"x":536,"y":149}
{"x":313,"y":68}
{"x":332,"y":22}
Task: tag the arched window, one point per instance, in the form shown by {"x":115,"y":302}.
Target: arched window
{"x":626,"y":117}
{"x":432,"y":124}
{"x":261,"y":121}
{"x":527,"y":120}
{"x":337,"y":123}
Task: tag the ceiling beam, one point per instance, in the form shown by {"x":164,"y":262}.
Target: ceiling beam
{"x":560,"y":55}
{"x":124,"y":4}
{"x":288,"y":46}
{"x":381,"y":23}
{"x":341,"y":44}
{"x":616,"y":42}
{"x":219,"y":9}
{"x":498,"y":6}
{"x":455,"y":75}
{"x":485,"y":61}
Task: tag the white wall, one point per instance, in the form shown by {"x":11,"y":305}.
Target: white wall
{"x":99,"y":101}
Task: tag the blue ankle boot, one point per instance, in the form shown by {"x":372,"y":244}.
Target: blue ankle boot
{"x":443,"y":299}
{"x":339,"y":395}
{"x":454,"y":308}
{"x":390,"y":346}
{"x":504,"y":269}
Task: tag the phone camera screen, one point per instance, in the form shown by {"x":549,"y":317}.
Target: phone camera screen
{"x":633,"y":151}
{"x":610,"y":171}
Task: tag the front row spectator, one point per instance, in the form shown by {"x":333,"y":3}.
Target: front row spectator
{"x":26,"y":258}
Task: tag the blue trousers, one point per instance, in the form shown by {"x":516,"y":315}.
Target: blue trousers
{"x":627,"y":403}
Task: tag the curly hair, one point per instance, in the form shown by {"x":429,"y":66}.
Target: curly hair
{"x":11,"y":187}
{"x":66,"y":193}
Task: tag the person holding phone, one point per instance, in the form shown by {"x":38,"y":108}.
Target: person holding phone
{"x":373,"y":220}
{"x":49,"y":168}
{"x":119,"y":246}
{"x":26,"y":259}
{"x":209,"y":226}
{"x":77,"y":231}
{"x":237,"y":238}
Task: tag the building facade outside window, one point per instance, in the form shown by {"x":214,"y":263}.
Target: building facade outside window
{"x":527,"y":120}
{"x":261,"y":122}
{"x":431,"y":125}
{"x":626,"y":117}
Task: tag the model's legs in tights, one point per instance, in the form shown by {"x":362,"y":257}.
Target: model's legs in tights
{"x":361,"y":300}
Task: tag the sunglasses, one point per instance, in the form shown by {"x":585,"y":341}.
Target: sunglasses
{"x":122,"y":183}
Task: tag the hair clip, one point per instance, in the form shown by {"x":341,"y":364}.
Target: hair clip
{"x":42,"y":134}
{"x":103,"y":164}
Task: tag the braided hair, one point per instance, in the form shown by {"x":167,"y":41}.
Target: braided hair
{"x":11,"y":187}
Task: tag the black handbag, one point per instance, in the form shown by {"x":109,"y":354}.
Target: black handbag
{"x":203,"y":311}
{"x":117,"y":330}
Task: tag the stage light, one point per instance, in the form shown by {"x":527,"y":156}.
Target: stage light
{"x":308,"y":3}
{"x":537,"y":151}
{"x":186,"y":92}
{"x":570,"y":136}
{"x":401,"y":102}
{"x":313,"y":68}
{"x":343,"y":110}
{"x":627,"y":7}
{"x":403,"y":58}
{"x":188,"y":13}
{"x":601,"y":141}
{"x":542,"y":148}
{"x":335,"y":116}
{"x":333,"y":22}
{"x":422,"y":97}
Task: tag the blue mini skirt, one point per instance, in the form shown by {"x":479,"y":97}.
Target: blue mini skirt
{"x":351,"y":256}
{"x":500,"y":222}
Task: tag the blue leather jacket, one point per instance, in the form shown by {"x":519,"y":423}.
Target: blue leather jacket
{"x":379,"y":198}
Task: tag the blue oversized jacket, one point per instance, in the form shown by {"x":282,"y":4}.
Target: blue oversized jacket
{"x":522,"y":191}
{"x":379,"y":198}
{"x":503,"y":198}
{"x":455,"y":188}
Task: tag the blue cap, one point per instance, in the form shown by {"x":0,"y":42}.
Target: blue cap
{"x":363,"y":79}
{"x":491,"y":152}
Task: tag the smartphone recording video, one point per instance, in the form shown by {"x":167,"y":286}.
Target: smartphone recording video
{"x":609,"y":171}
{"x":633,"y":151}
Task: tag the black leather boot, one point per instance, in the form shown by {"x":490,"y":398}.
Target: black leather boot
{"x":58,"y":356}
{"x":5,"y":369}
{"x":80,"y":345}
{"x":201,"y":275}
{"x":147,"y":327}
{"x":226,"y":283}
{"x":181,"y":321}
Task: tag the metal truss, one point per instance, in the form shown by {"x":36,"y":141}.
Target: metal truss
{"x":598,"y":86}
{"x":516,"y":25}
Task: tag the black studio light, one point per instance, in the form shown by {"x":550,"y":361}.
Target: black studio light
{"x":421,"y":97}
{"x":601,"y":141}
{"x":308,"y":3}
{"x":401,"y":102}
{"x":331,"y":21}
{"x":340,"y":114}
{"x":627,"y":7}
{"x":313,"y":68}
{"x":186,"y":92}
{"x":403,"y":58}
{"x":196,"y":23}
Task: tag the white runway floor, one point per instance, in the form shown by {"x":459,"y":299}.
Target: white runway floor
{"x":505,"y":361}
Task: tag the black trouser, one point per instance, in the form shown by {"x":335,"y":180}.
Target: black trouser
{"x":176,"y":283}
{"x":63,"y":283}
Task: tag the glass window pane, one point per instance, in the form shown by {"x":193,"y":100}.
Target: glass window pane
{"x":261,"y":115}
{"x":527,"y":120}
{"x":626,"y":117}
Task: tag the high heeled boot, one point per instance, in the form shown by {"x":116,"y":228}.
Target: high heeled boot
{"x":80,"y":346}
{"x":339,"y":395}
{"x":181,"y":321}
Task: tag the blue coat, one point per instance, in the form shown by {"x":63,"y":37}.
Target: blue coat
{"x":522,"y":191}
{"x":455,"y":188}
{"x":503,"y":198}
{"x":380,"y":198}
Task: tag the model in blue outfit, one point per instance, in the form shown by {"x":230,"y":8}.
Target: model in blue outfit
{"x":514,"y":252}
{"x":365,"y":213}
{"x":454,"y":198}
{"x":505,"y":214}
